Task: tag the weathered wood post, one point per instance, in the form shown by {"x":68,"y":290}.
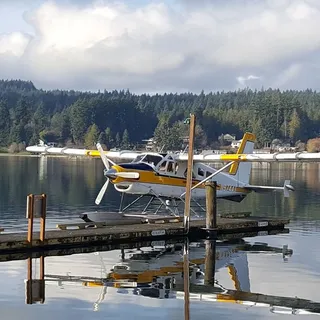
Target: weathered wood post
{"x":186,"y":221}
{"x":43,"y":217}
{"x":211,"y":205}
{"x":36,"y":208}
{"x":210,"y":262}
{"x":29,"y":215}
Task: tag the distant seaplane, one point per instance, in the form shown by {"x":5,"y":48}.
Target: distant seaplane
{"x":163,"y":176}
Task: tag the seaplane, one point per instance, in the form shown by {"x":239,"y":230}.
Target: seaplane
{"x":162,"y":176}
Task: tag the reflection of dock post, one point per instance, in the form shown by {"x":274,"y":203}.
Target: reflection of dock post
{"x":210,"y":262}
{"x":35,"y":288}
{"x":211,"y":204}
{"x":186,"y":279}
{"x":29,"y":282}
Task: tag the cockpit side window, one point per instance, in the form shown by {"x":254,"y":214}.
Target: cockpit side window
{"x":153,"y":159}
{"x":138,"y":158}
{"x":148,"y":158}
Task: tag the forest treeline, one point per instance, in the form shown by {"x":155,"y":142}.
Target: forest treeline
{"x":123,"y":119}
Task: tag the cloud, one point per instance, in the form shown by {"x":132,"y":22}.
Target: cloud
{"x":166,"y":46}
{"x":243,"y":80}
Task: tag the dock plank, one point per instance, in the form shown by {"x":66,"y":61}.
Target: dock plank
{"x":136,"y":232}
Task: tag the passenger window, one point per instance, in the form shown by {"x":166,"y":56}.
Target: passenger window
{"x":163,"y":166}
{"x":185,"y":174}
{"x":170,"y":167}
{"x":200,"y":172}
{"x":208,"y":174}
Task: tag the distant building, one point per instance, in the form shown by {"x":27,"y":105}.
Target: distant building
{"x":236,"y":143}
{"x":149,"y":144}
{"x":227,"y":137}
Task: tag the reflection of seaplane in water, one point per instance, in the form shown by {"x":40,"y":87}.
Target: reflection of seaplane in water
{"x":163,"y":176}
{"x":158,"y":273}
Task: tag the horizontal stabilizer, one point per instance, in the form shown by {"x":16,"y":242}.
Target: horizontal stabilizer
{"x":263,"y":189}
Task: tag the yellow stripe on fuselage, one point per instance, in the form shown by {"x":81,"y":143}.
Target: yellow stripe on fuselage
{"x":155,"y":178}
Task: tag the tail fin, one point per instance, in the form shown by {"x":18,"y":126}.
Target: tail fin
{"x":242,"y":170}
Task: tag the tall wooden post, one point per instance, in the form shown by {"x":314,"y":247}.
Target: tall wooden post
{"x":30,"y":206}
{"x":189,"y":174}
{"x":210,"y":262}
{"x":43,"y":217}
{"x":211,"y":204}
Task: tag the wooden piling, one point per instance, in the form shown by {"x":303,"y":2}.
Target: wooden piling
{"x":211,"y":205}
{"x":43,"y":217}
{"x":29,"y":215}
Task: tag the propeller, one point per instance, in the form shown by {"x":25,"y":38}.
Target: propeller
{"x":106,"y":161}
{"x":102,"y":192}
{"x":104,"y":158}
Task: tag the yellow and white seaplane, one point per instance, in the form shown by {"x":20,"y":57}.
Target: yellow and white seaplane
{"x":163,"y":176}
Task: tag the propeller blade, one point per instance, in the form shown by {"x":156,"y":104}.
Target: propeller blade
{"x":102,"y":192}
{"x":128,"y":175}
{"x":104,"y":158}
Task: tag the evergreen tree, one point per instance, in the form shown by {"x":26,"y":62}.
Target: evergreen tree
{"x":294,"y":125}
{"x":79,"y":120}
{"x":102,"y":138}
{"x":4,"y":124}
{"x":125,"y":143}
{"x":91,"y":137}
{"x":109,"y":139}
{"x":118,"y":140}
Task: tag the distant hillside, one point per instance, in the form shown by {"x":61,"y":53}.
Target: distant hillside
{"x":123,"y":119}
{"x":16,"y":85}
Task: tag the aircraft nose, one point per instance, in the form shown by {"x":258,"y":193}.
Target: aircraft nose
{"x":111,"y":173}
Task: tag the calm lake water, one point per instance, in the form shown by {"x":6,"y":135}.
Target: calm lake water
{"x":148,"y":282}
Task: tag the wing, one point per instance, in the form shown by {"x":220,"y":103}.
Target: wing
{"x":117,"y":155}
{"x":254,"y":157}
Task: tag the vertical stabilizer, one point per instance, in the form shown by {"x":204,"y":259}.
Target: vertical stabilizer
{"x":242,"y":170}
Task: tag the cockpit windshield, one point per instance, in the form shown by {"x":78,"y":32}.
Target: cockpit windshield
{"x":148,"y":158}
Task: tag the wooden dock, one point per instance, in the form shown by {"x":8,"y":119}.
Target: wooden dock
{"x":90,"y":236}
{"x":65,"y":251}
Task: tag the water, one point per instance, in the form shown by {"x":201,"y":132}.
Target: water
{"x":72,"y":185}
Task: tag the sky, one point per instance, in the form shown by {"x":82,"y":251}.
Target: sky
{"x":161,"y":46}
